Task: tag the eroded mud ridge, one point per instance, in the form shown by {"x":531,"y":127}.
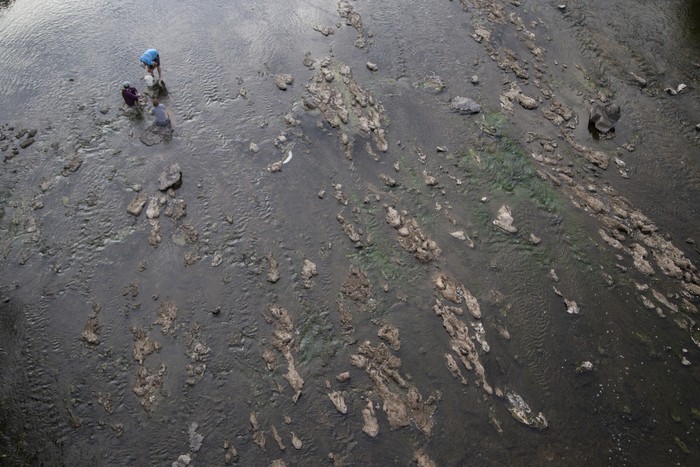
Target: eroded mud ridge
{"x":392,"y":247}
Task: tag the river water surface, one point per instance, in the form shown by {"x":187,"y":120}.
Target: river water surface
{"x":147,"y":337}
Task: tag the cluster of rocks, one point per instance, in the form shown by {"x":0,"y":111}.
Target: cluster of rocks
{"x":166,"y":201}
{"x":402,"y":402}
{"x":625,"y":228}
{"x":283,"y":340}
{"x":411,"y":237}
{"x":15,"y":140}
{"x":345,"y":105}
{"x":353,"y":19}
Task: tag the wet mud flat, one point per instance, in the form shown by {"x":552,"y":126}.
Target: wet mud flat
{"x":383,"y":246}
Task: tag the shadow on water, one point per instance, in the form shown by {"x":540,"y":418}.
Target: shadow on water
{"x":690,"y":20}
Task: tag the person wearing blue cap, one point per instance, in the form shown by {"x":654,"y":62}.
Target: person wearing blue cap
{"x":151,"y":59}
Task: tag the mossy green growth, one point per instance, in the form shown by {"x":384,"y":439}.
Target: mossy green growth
{"x":316,"y":337}
{"x":505,"y":164}
{"x":695,"y":412}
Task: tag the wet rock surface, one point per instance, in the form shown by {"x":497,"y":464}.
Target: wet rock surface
{"x":333,"y":275}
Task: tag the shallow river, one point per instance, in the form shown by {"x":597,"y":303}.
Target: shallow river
{"x":413,"y":285}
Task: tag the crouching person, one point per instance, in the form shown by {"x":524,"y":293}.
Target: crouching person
{"x":161,"y":113}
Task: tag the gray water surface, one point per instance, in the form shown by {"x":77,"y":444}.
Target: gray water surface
{"x":71,"y":253}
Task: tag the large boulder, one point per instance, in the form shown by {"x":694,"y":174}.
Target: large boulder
{"x":465,"y":105}
{"x":604,"y":118}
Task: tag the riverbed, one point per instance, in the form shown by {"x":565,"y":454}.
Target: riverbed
{"x":349,"y":267}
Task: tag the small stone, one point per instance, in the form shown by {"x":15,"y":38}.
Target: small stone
{"x":342,"y":377}
{"x":137,"y":204}
{"x":283,"y":81}
{"x":475,"y":80}
{"x":321,"y":194}
{"x":372,"y":66}
{"x":254,"y":148}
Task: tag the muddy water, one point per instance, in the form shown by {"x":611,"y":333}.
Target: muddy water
{"x":76,"y":263}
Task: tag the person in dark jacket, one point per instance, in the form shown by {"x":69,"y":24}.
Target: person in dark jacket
{"x":130,"y":95}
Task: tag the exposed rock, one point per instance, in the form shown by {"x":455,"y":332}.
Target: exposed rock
{"x":352,"y":18}
{"x":372,"y":66}
{"x":273,"y":273}
{"x":143,"y":345}
{"x":72,"y":165}
{"x":283,"y":81}
{"x":461,"y":343}
{"x":471,"y":303}
{"x":402,"y":403}
{"x":357,"y":286}
{"x":422,"y":459}
{"x":515,"y":94}
{"x":146,"y":386}
{"x":350,"y":230}
{"x":454,"y":368}
{"x":390,"y":335}
{"x":338,"y":401}
{"x":275,"y":167}
{"x":195,"y":438}
{"x":136,"y":205}
{"x":347,"y":106}
{"x":604,"y":118}
{"x":571,"y":307}
{"x":449,"y":288}
{"x":505,"y":220}
{"x":519,"y":409}
{"x":598,"y":158}
{"x":283,"y":340}
{"x":411,"y":237}
{"x":182,"y":461}
{"x":343,"y":377}
{"x":308,"y":271}
{"x":278,"y":438}
{"x":465,"y":105}
{"x":370,"y":426}
{"x":91,"y":330}
{"x":258,"y":434}
{"x":639,"y":254}
{"x":325,"y":30}
{"x":153,"y":209}
{"x":170,"y":178}
{"x":296,"y":442}
{"x":166,"y":316}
